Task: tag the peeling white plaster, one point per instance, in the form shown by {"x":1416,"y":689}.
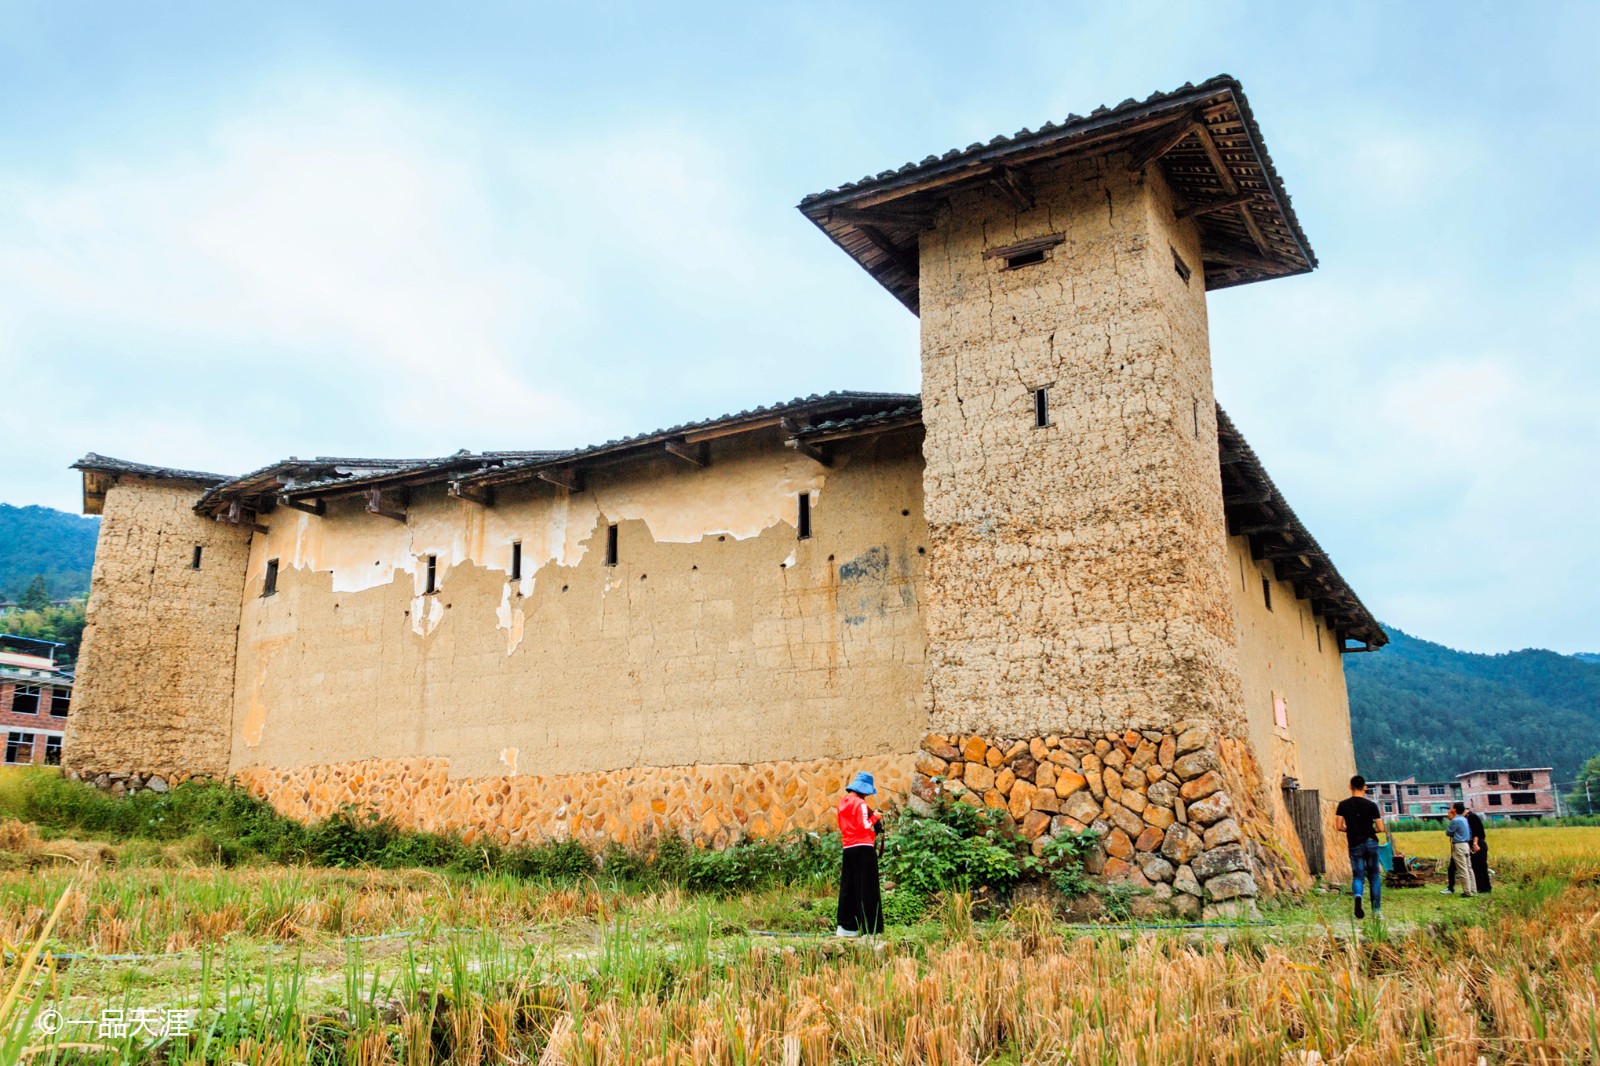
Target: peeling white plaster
{"x":511,"y":618}
{"x":789,"y":561}
{"x":739,"y":497}
{"x":509,"y":757}
{"x":426,"y":614}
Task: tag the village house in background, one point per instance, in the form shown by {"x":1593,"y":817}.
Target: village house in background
{"x":1057,"y":582}
{"x":1526,"y":792}
{"x":1518,"y":793}
{"x":35,"y":700}
{"x":1410,"y":798}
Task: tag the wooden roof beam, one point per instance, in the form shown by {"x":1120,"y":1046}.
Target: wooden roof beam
{"x":1211,"y":207}
{"x":315,"y":507}
{"x":1161,"y":142}
{"x":890,"y":250}
{"x":1230,"y":186}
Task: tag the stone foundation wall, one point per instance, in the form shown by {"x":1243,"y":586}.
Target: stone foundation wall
{"x":1176,"y":810}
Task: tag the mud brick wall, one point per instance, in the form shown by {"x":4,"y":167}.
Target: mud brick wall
{"x":1078,"y":571}
{"x":155,"y":677}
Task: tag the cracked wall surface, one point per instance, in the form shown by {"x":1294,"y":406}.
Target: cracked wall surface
{"x":155,"y":676}
{"x":719,"y":638}
{"x":1078,"y":575}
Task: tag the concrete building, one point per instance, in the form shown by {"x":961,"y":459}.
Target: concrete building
{"x":35,"y":701}
{"x":1057,"y":581}
{"x":1410,"y":798}
{"x":1526,"y":792}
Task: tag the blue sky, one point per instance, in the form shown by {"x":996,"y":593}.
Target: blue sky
{"x":230,"y":233}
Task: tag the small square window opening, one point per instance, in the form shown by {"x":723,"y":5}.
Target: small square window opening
{"x":1022,"y":259}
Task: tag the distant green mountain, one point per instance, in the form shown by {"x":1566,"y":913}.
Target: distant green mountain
{"x":1421,"y":708}
{"x":1587,"y":656}
{"x":40,"y":540}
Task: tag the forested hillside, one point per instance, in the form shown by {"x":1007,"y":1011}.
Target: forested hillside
{"x":1425,"y":709}
{"x":41,"y":541}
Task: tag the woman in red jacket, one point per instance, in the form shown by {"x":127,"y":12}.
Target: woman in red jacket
{"x":860,"y":904}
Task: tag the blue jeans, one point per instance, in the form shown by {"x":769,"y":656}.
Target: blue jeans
{"x":1364,"y":867}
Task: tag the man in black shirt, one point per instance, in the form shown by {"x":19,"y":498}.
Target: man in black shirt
{"x":1359,"y":819}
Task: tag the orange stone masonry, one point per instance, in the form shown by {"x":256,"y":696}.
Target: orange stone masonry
{"x":709,"y":804}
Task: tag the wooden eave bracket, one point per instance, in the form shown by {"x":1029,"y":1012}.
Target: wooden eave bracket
{"x":1014,"y":185}
{"x":482,"y":495}
{"x":234,"y":516}
{"x":804,"y":447}
{"x":315,"y":507}
{"x":1211,"y":207}
{"x":696,"y":454}
{"x":388,"y":504}
{"x":566,"y":477}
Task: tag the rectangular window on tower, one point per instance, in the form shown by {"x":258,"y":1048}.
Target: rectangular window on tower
{"x":195,"y":563}
{"x":803,"y":515}
{"x":1041,"y":408}
{"x":269,"y":584}
{"x":432,"y":585}
{"x":1266,"y":592}
{"x":611,"y":545}
{"x":516,"y":560}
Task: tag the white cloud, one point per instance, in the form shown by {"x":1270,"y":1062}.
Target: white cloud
{"x":347,"y":269}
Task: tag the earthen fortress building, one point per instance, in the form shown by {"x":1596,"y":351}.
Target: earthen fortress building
{"x":1058,"y":581}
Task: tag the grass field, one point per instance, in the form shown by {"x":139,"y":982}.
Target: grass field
{"x":291,"y":964}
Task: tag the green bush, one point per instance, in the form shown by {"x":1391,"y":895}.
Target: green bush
{"x":956,"y":846}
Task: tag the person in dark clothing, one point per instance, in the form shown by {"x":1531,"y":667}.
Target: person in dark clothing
{"x":1480,"y":857}
{"x":1359,"y":819}
{"x":860,"y":901}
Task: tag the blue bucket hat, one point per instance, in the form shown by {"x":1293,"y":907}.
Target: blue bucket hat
{"x":862,"y":783}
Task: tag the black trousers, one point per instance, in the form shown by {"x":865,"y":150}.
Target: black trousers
{"x":860,"y":903}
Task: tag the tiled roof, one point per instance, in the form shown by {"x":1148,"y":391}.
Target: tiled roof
{"x":888,"y":253}
{"x":799,"y":406}
{"x":104,"y":464}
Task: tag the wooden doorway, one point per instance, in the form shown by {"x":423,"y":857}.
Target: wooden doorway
{"x":1305,"y":811}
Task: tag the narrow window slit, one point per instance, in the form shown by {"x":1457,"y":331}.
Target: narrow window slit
{"x":1266,"y":592}
{"x":1022,"y":259}
{"x":269,"y":584}
{"x":1180,"y":266}
{"x":516,"y":560}
{"x":195,"y":564}
{"x":803,"y":519}
{"x":433,"y":576}
{"x":611,"y":545}
{"x":1041,"y":408}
